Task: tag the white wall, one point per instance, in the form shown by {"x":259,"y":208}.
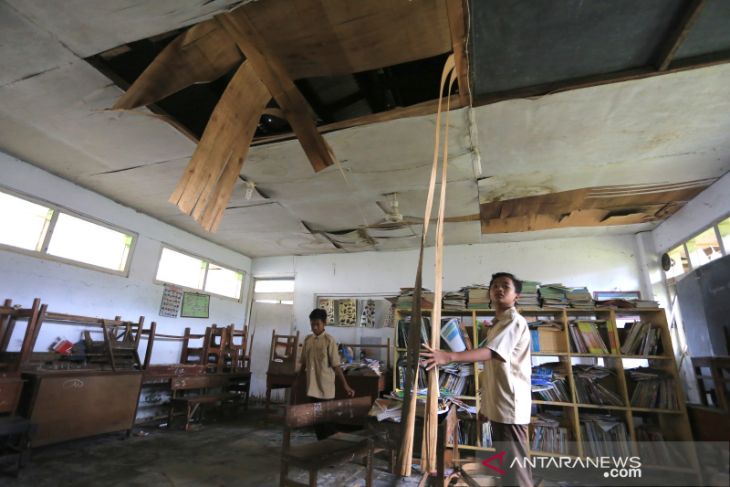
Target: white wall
{"x":67,"y":288}
{"x":601,"y":263}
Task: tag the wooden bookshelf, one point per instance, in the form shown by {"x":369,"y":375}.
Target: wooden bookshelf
{"x":672,"y":423}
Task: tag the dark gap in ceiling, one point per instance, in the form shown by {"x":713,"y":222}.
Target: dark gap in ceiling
{"x":333,"y":99}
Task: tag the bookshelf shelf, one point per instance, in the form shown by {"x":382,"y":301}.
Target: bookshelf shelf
{"x":577,"y":417}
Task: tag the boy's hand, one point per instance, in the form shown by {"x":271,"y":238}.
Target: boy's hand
{"x":434,"y":357}
{"x":349,"y":391}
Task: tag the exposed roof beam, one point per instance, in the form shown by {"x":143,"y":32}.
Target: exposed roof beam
{"x":673,"y":41}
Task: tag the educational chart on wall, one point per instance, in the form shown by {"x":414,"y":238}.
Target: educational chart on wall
{"x":195,"y":305}
{"x":171,"y":300}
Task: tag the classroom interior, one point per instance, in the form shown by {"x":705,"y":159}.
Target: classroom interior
{"x":184,"y":182}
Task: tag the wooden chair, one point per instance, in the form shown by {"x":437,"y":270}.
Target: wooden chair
{"x":337,"y":449}
{"x":119,"y":347}
{"x":191,"y":355}
{"x":282,"y":369}
{"x":237,"y":353}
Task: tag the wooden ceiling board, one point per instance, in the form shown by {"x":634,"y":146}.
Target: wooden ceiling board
{"x":203,"y":53}
{"x":331,"y":37}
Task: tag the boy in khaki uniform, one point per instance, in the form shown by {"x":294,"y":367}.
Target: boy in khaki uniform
{"x":505,"y":385}
{"x":320,"y":365}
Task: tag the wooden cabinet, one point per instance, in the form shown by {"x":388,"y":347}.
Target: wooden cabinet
{"x":10,"y":387}
{"x":75,"y":404}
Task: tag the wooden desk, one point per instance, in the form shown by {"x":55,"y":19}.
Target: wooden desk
{"x":69,"y":404}
{"x":364,"y":385}
{"x":10,"y":386}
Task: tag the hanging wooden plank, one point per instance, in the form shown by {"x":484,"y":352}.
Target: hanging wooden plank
{"x":272,"y":73}
{"x":458,"y":24}
{"x":207,"y":181}
{"x":203,"y":53}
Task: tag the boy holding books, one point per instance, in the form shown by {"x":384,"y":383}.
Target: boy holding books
{"x":505,"y":385}
{"x":320,"y":365}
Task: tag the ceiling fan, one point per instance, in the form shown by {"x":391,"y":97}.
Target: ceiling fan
{"x":393,"y":217}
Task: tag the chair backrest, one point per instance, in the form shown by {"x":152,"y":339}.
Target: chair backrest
{"x":327,"y":411}
{"x":283,"y":353}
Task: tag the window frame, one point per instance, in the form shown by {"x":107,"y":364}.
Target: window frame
{"x":277,"y":278}
{"x":57,"y":209}
{"x":164,"y":245}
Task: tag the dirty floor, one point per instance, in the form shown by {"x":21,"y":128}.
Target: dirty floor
{"x":238,"y":452}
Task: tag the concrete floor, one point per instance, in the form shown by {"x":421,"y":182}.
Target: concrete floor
{"x":237,"y":452}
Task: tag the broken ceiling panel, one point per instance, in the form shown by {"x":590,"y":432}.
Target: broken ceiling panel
{"x":89,"y":27}
{"x":609,"y":205}
{"x":351,"y":240}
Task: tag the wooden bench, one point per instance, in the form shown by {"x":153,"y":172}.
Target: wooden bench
{"x":233,"y":389}
{"x":337,"y":449}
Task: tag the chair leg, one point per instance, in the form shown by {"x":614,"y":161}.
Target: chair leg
{"x":283,"y":473}
{"x":369,"y":465}
{"x":312,"y":478}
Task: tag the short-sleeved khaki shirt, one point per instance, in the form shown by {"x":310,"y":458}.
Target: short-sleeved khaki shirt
{"x":319,"y":355}
{"x":505,"y":383}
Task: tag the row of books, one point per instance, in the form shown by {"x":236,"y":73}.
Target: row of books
{"x":655,"y":450}
{"x":548,"y":435}
{"x":604,"y":435}
{"x":654,"y":389}
{"x":587,"y":338}
{"x":589,"y":391}
{"x":642,"y":338}
{"x":549,"y":382}
{"x":460,"y":383}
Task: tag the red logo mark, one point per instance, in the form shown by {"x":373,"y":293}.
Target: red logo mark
{"x":500,"y":456}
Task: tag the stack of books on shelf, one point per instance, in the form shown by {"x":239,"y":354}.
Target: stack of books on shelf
{"x":546,"y":336}
{"x":405,"y":298}
{"x":579,"y":298}
{"x":549,"y":382}
{"x":588,"y":389}
{"x":477,"y":296}
{"x":604,"y":435}
{"x":553,"y":295}
{"x":586,"y":338}
{"x":456,"y":378}
{"x":386,"y":409}
{"x":467,"y":432}
{"x":654,"y":389}
{"x":654,"y":449}
{"x":404,"y":327}
{"x":641,"y":339}
{"x":454,"y":301}
{"x":528,"y":296}
{"x":645,"y":303}
{"x":548,"y":435}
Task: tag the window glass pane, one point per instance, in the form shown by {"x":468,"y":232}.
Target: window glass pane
{"x":703,"y":248}
{"x":274,"y":286}
{"x":26,"y":223}
{"x":223,"y":281}
{"x":680,"y":262}
{"x":181,"y":269}
{"x":724,"y":227}
{"x":83,"y":241}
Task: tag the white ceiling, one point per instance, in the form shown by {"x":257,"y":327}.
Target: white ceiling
{"x":53,"y":113}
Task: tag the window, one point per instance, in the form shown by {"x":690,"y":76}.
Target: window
{"x":723,"y":229}
{"x":274,"y":291}
{"x":703,"y":248}
{"x":200,"y":274}
{"x":678,"y":261}
{"x":51,"y":231}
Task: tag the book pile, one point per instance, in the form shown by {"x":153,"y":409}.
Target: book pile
{"x":588,"y":390}
{"x":405,"y":298}
{"x":586,"y":337}
{"x":604,"y":436}
{"x":548,"y":435}
{"x":457,"y":379}
{"x":553,"y":295}
{"x":645,"y":303}
{"x":528,"y":296}
{"x":386,"y":409}
{"x":477,"y":296}
{"x":549,"y":382}
{"x":579,"y":298}
{"x":454,"y":301}
{"x":641,"y":339}
{"x":654,"y":389}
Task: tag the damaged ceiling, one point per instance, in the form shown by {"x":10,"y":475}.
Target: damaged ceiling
{"x":589,"y":117}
